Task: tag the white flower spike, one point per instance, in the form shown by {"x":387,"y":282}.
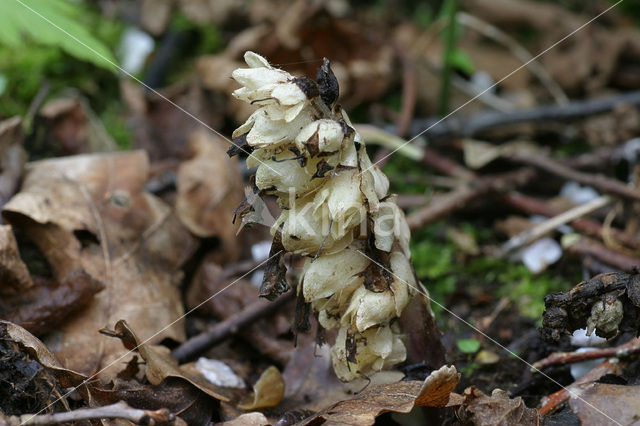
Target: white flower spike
{"x":336,"y":211}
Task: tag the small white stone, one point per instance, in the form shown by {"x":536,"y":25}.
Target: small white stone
{"x":218,"y":373}
{"x":540,"y":254}
{"x":578,"y":194}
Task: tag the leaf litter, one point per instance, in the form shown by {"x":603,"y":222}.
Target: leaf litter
{"x":127,"y":242}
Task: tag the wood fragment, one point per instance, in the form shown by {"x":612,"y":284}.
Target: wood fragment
{"x":561,"y":358}
{"x":118,"y":410}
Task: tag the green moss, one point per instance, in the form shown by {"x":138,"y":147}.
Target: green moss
{"x":442,"y":267}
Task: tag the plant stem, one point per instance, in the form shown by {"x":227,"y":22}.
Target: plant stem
{"x":449,"y":46}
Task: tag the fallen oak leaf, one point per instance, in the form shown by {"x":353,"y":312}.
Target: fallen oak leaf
{"x":495,"y":410}
{"x":161,"y":365}
{"x":398,"y":397}
{"x":13,"y":271}
{"x":207,"y":183}
{"x":612,"y":401}
{"x":34,"y":346}
{"x":43,"y":308}
{"x":92,"y":212}
{"x":174,"y":394}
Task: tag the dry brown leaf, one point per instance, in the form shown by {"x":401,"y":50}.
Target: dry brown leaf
{"x":177,"y":395}
{"x":209,"y":183}
{"x":161,"y":365}
{"x":398,"y":397}
{"x":47,"y":305}
{"x":12,"y":157}
{"x":600,"y":403}
{"x":71,"y":128}
{"x":496,"y":410}
{"x":155,"y":15}
{"x":248,"y":419}
{"x":267,"y":392}
{"x":91,"y":212}
{"x":14,"y":275}
{"x":161,"y":129}
{"x":41,"y":353}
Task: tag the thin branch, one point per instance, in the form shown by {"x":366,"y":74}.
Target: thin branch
{"x":561,"y":358}
{"x":202,"y":342}
{"x":536,"y":206}
{"x":523,"y":55}
{"x":443,"y":205}
{"x":461,"y":126}
{"x":119,"y":410}
{"x":588,"y":247}
{"x":600,"y":182}
{"x":549,"y":225}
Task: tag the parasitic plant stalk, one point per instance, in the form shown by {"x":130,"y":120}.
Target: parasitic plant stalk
{"x":336,"y":211}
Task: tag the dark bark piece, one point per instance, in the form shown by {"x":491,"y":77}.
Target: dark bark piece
{"x":328,"y":84}
{"x":46,"y":306}
{"x":274,"y":282}
{"x":569,"y":311}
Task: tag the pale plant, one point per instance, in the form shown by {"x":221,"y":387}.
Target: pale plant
{"x":336,"y":212}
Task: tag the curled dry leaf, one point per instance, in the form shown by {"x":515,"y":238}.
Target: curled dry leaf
{"x":161,"y":365}
{"x":208,"y":183}
{"x":496,"y":410}
{"x":91,"y":212}
{"x":398,"y":397}
{"x":161,"y":129}
{"x":44,"y":307}
{"x":248,"y":419}
{"x":71,"y":128}
{"x":175,"y":394}
{"x":14,"y":275}
{"x":267,"y":392}
{"x":37,"y":349}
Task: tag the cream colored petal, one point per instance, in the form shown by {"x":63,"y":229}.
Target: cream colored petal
{"x":368,"y":309}
{"x":289,"y":94}
{"x":256,"y":61}
{"x":343,"y":200}
{"x":329,"y":273}
{"x":269,"y":132}
{"x":256,"y":78}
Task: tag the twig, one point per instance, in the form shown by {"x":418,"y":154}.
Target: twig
{"x":219,"y":332}
{"x":446,"y":166}
{"x":535,"y":206}
{"x":588,"y":247}
{"x":449,"y":46}
{"x":553,"y":401}
{"x":523,"y":55}
{"x":409,"y":92}
{"x":600,"y":182}
{"x":119,"y":410}
{"x":455,"y":200}
{"x":549,"y":225}
{"x":459,"y":126}
{"x":561,"y":358}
